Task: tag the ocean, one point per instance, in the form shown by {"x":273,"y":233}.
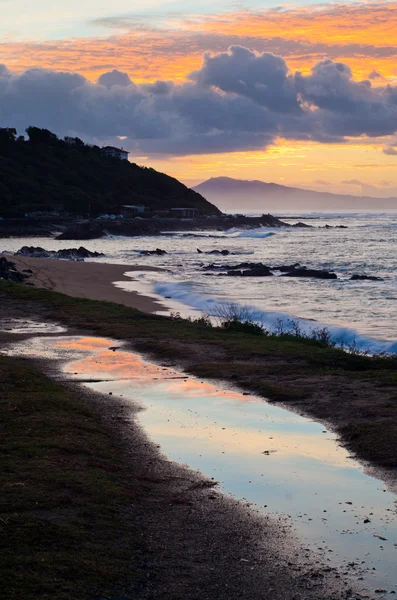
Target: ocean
{"x":360,"y":312}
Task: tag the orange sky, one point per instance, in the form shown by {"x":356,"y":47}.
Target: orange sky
{"x":363,"y":35}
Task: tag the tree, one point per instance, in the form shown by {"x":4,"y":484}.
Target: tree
{"x":41,"y":136}
{"x":7,"y":135}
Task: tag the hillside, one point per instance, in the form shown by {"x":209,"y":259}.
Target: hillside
{"x":45,"y":173}
{"x":230,"y":193}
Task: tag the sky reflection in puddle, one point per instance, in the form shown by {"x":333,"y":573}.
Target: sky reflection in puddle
{"x":271,"y":457}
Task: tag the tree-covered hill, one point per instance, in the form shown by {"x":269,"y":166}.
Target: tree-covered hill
{"x":44,"y":173}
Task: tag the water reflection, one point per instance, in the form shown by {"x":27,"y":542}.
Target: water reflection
{"x":276,"y":459}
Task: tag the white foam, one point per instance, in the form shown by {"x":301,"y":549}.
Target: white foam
{"x":260,"y":233}
{"x":211,"y":306}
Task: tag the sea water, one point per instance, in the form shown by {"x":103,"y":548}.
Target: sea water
{"x":363,"y":312}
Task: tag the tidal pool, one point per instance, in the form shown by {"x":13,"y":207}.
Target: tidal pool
{"x":279,"y":462}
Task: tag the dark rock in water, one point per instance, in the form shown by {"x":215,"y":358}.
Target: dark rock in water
{"x":286,"y":268}
{"x":239,"y":266}
{"x":157,"y":252}
{"x":67,"y":254}
{"x":365,"y":277}
{"x":34,"y":251}
{"x":257,"y":272}
{"x":77,"y":253}
{"x":300,"y":224}
{"x":223,"y":252}
{"x":315,"y":273}
{"x":9,"y":272}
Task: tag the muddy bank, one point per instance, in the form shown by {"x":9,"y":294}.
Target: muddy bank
{"x":189,"y":541}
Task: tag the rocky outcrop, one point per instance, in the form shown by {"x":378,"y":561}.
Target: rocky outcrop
{"x":222,"y":252}
{"x":251,"y":269}
{"x":257,"y":272}
{"x":365,"y":277}
{"x":134,"y":227}
{"x":315,"y":273}
{"x":9,"y":271}
{"x":157,"y":252}
{"x":66,"y":254}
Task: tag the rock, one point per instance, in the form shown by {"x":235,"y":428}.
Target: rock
{"x":315,"y":273}
{"x":300,"y":224}
{"x":286,"y":268}
{"x":36,"y":252}
{"x":68,"y":253}
{"x":258,"y":272}
{"x":365,"y":277}
{"x":157,"y":252}
{"x":223,"y":252}
{"x":77,"y":254}
{"x":239,"y":266}
{"x":9,"y":272}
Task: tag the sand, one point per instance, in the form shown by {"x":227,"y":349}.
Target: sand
{"x":90,"y":280}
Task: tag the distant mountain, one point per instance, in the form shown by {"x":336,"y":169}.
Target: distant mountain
{"x":228,"y":193}
{"x":45,"y":173}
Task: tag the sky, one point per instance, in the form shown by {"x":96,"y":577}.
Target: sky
{"x":301,"y":93}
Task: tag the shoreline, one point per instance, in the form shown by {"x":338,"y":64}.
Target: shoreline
{"x":90,"y":280}
{"x":302,"y":377}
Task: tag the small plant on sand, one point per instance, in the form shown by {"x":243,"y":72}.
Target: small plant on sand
{"x":238,"y":318}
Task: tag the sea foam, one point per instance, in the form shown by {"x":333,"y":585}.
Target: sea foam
{"x":212,"y":306}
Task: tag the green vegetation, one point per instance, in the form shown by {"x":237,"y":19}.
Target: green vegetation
{"x":65,"y":503}
{"x":65,"y":510}
{"x":45,"y":173}
{"x":358,"y":393}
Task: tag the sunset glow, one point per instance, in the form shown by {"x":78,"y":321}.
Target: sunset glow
{"x":168,"y":45}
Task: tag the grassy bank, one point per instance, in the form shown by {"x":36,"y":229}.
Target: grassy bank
{"x":357,"y":394}
{"x":65,"y":509}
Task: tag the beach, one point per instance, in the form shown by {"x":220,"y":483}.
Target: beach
{"x":93,"y":281}
{"x":300,"y":377}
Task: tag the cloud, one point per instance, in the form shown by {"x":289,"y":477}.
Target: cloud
{"x":169,"y":47}
{"x":321,"y":182}
{"x":114,"y":77}
{"x":238,"y":100}
{"x":262,"y":78}
{"x":390,"y":150}
{"x":353,"y":182}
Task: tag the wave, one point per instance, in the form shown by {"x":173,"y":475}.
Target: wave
{"x":259,"y":233}
{"x":186,"y":294}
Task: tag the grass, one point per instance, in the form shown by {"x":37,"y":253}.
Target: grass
{"x":66,"y":513}
{"x":283,"y":367}
{"x":65,"y":523}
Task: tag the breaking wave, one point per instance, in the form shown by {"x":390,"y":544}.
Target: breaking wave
{"x":186,"y":294}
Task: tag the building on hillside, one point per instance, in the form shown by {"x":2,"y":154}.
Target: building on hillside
{"x":114,"y":152}
{"x":185,"y":213}
{"x":131,"y":210}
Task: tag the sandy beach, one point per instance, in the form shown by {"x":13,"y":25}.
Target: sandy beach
{"x":93,"y":281}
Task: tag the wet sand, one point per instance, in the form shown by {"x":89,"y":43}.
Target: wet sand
{"x":93,"y":281}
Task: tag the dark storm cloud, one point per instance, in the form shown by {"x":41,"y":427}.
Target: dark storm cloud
{"x":115,"y":77}
{"x":238,"y":100}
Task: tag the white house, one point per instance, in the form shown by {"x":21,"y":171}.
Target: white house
{"x":115,"y":152}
